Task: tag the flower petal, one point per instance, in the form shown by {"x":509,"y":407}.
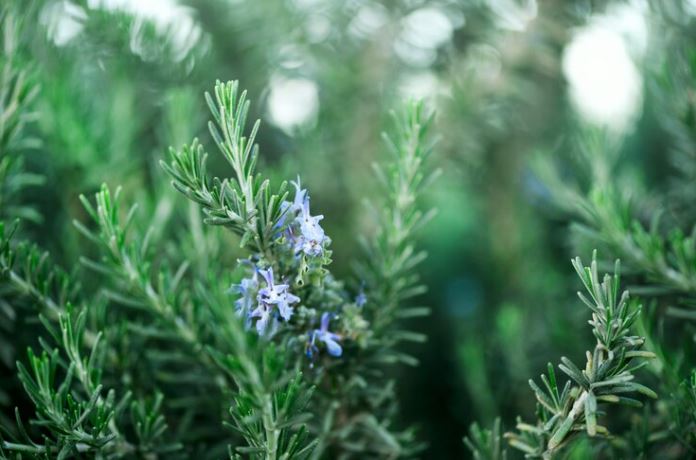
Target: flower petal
{"x":325,"y":318}
{"x":285,"y":310}
{"x":268,"y":276}
{"x":333,"y":347}
{"x":262,"y":323}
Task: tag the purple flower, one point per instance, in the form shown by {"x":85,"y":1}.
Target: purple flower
{"x":247,"y":288}
{"x":276,"y":294}
{"x":295,"y":207}
{"x":361,"y":299}
{"x":266,"y":318}
{"x":312,"y":237}
{"x":303,"y":229}
{"x":324,"y":335}
{"x":267,"y":304}
{"x":300,"y":197}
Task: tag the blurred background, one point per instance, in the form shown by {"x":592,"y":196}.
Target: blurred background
{"x":514,"y":83}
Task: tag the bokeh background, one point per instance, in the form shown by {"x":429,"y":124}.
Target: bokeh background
{"x":514,"y":83}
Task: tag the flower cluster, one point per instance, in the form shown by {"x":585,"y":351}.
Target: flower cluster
{"x":273,"y":295}
{"x":303,"y":230}
{"x":266,"y":302}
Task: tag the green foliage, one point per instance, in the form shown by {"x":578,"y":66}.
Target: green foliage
{"x":165,"y":339}
{"x":605,"y":215}
{"x":631,"y":201}
{"x":244,"y":204}
{"x":265,"y":410}
{"x":486,"y":444}
{"x":17,"y":91}
{"x":80,"y":423}
{"x":390,"y":255}
{"x":608,"y":376}
{"x":65,"y":381}
{"x":149,"y":344}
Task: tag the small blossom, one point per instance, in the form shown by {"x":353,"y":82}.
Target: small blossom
{"x":303,"y":230}
{"x":247,"y":289}
{"x":266,"y":318}
{"x":276,"y":294}
{"x":300,"y":196}
{"x":361,"y":299}
{"x":312,"y":237}
{"x":292,"y":209}
{"x":329,"y":338}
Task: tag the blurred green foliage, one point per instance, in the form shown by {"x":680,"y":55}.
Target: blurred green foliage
{"x":527,"y":181}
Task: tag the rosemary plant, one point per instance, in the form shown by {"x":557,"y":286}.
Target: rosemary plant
{"x":197,"y":306}
{"x":651,"y":229}
{"x":566,"y":411}
{"x":274,"y":358}
{"x":289,"y":297}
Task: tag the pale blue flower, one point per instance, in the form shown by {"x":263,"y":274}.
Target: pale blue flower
{"x":267,"y":323}
{"x":289,"y":209}
{"x":312,"y":237}
{"x":302,"y":230}
{"x":276,"y":294}
{"x":247,"y":289}
{"x":361,"y":299}
{"x":329,"y":338}
{"x":300,"y":197}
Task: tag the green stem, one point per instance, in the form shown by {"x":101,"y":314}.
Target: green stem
{"x":272,"y":434}
{"x":575,"y":411}
{"x":264,"y":395}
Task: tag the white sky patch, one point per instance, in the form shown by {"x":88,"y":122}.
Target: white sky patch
{"x":484,"y":62}
{"x":291,"y":56}
{"x":421,"y":85}
{"x":368,"y":20}
{"x":691,"y":7}
{"x":423,"y":32}
{"x":167,"y":15}
{"x":428,"y":28}
{"x":513,"y":14}
{"x":307,"y":4}
{"x":293,"y":102}
{"x":318,"y":28}
{"x":64,"y":21}
{"x":605,"y":85}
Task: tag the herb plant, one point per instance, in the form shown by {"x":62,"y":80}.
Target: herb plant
{"x":274,"y":357}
